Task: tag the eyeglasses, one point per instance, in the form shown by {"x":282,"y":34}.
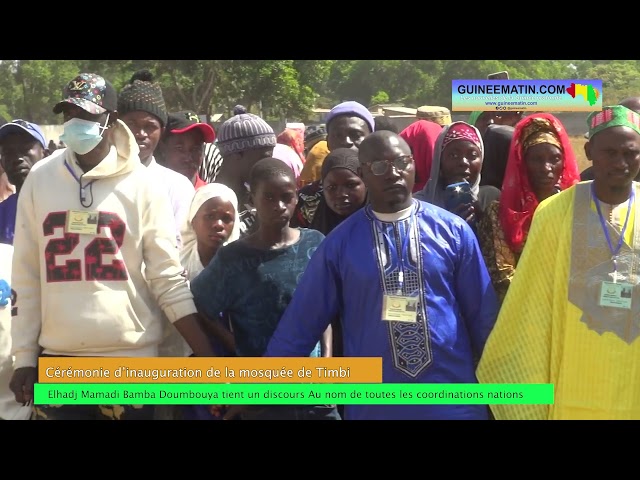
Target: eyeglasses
{"x":380,"y":167}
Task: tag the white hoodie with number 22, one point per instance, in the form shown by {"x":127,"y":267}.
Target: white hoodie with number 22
{"x":86,"y":294}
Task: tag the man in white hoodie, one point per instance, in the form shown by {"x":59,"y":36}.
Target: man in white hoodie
{"x":80,"y":282}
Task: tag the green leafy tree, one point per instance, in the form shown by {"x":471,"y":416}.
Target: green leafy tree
{"x":38,"y":87}
{"x":272,"y":88}
{"x":189,"y":84}
{"x":463,"y":70}
{"x":619,"y":80}
{"x":380,"y":98}
{"x":10,"y":95}
{"x":289,"y":89}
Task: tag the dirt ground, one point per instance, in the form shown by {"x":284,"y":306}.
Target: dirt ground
{"x":578,"y":147}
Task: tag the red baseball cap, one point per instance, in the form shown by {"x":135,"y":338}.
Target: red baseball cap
{"x":181,"y":122}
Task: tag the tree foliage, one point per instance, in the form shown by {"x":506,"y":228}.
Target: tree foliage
{"x":290,"y":89}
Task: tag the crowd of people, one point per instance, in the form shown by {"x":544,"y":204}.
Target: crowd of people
{"x":457,"y":251}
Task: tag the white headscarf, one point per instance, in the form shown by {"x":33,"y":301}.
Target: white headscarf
{"x":433,"y":192}
{"x":189,"y":253}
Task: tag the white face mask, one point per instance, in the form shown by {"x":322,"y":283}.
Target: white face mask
{"x":82,"y":136}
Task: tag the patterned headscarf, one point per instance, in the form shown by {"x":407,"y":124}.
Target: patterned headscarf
{"x":433,"y":192}
{"x":539,"y":130}
{"x":614,"y":116}
{"x":294,"y":138}
{"x":518,"y":202}
{"x":461,"y":131}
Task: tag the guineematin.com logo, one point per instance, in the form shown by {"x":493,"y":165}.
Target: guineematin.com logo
{"x":527,"y":95}
{"x":588,"y":92}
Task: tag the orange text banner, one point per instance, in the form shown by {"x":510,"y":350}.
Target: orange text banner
{"x":209,"y":370}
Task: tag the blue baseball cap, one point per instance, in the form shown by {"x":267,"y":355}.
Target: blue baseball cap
{"x":22,"y":125}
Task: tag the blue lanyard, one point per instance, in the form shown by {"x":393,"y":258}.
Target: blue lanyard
{"x":83,"y":195}
{"x":614,"y":253}
{"x":405,"y":245}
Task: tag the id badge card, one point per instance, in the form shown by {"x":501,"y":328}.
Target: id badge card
{"x":616,"y":295}
{"x":398,"y":308}
{"x":82,"y":222}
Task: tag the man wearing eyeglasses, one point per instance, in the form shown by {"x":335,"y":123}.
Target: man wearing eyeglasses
{"x":22,"y":144}
{"x":408,"y":281}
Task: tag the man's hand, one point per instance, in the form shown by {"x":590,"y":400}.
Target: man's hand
{"x":466,"y":211}
{"x":21,"y":384}
{"x":190,"y":329}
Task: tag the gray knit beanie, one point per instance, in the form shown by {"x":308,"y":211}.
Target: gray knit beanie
{"x":245,"y":132}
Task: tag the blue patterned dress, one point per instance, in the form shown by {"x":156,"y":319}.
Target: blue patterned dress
{"x":253,"y":287}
